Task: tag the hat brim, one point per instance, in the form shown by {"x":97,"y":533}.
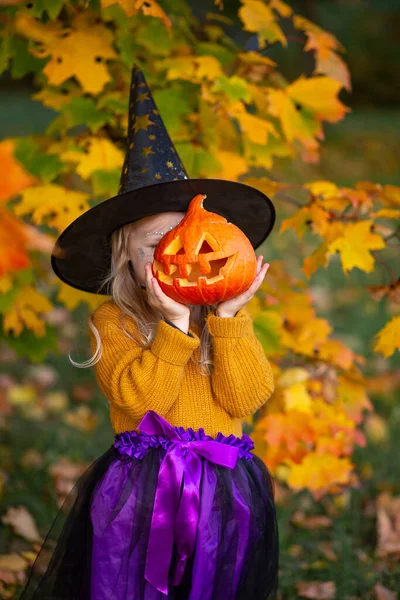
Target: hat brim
{"x":86,"y":243}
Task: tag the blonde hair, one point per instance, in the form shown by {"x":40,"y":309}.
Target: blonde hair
{"x":128,"y":295}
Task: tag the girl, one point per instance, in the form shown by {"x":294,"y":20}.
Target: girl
{"x":178,"y":507}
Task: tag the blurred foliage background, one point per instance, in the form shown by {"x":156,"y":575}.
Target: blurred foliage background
{"x":57,"y":420}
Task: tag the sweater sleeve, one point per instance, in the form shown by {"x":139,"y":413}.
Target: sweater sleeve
{"x":137,"y":379}
{"x":242,"y":378}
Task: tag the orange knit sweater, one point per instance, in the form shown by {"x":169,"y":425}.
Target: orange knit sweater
{"x":163,"y":379}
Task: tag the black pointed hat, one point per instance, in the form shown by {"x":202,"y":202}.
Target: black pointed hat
{"x":153,"y":180}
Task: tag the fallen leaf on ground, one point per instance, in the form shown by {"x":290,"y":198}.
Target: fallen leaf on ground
{"x":22,"y":522}
{"x":320,"y":590}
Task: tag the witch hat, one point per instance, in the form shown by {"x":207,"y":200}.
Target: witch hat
{"x":153,"y":180}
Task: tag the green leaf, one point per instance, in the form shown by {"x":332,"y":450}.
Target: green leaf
{"x":114,"y":103}
{"x":225,"y":56}
{"x":45,"y":166}
{"x":20,"y":279}
{"x":155,"y":38}
{"x":105,"y":183}
{"x":266,"y":327}
{"x":23,"y":61}
{"x":31,"y":346}
{"x":234,"y":87}
{"x":198,"y":162}
{"x":174,"y":105}
{"x":5,"y":51}
{"x":85,"y":110}
{"x":51,"y":7}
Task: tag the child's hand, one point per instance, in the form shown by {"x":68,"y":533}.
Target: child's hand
{"x":229,"y":308}
{"x":172,"y":311}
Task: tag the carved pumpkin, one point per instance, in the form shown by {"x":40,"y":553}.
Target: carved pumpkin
{"x":205,"y":259}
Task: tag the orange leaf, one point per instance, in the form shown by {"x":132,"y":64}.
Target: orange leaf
{"x":14,"y":178}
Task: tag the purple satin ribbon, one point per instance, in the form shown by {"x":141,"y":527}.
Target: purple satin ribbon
{"x":175,"y":516}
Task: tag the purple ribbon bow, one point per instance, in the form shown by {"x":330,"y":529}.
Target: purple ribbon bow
{"x":175,"y":516}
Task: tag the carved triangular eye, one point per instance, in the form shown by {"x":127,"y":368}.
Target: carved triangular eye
{"x":205,"y":248}
{"x":175,"y":247}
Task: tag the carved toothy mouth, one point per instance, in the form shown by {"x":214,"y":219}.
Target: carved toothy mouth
{"x":188,"y":274}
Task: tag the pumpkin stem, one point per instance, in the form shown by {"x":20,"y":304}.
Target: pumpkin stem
{"x":196,"y":204}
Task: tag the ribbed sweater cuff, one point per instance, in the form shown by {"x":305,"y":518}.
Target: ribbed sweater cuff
{"x":173,"y":345}
{"x":236,"y":326}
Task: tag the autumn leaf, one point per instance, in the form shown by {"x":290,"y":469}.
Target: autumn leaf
{"x":148,"y":7}
{"x":318,"y":590}
{"x":82,"y":418}
{"x":355,"y":245}
{"x":389,"y":338}
{"x":297,"y":398}
{"x":192,"y":68}
{"x":14,"y":178}
{"x":100,"y":154}
{"x":13,"y":244}
{"x":259,"y":18}
{"x":26,"y":312}
{"x":71,"y":297}
{"x":387,"y":213}
{"x":390,"y":196}
{"x":303,"y":105}
{"x":231,"y":165}
{"x":22,"y":522}
{"x":325,"y":46}
{"x":388,"y":525}
{"x":52,"y":204}
{"x":79,"y":52}
{"x":318,"y":472}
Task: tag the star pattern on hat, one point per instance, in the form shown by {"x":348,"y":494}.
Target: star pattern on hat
{"x":142,"y":123}
{"x":142,"y":97}
{"x":150,"y":156}
{"x":146,"y":150}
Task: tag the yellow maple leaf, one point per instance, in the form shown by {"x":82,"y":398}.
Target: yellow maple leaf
{"x":352,"y":396}
{"x":281,"y":7}
{"x":265,"y":185}
{"x":326,"y":189}
{"x":387,"y":213}
{"x":101,"y":154}
{"x":82,"y":55}
{"x":255,"y":128}
{"x":294,"y":126}
{"x":192,"y":68}
{"x":72,"y":297}
{"x":232,"y":165}
{"x":318,"y":472}
{"x":320,"y":95}
{"x":79,"y":51}
{"x":389,"y":338}
{"x":318,"y":258}
{"x":355,"y":245}
{"x":390,"y":195}
{"x":297,"y":398}
{"x":259,"y":18}
{"x":52,"y":204}
{"x":26,"y":311}
{"x":307,"y":337}
{"x":292,"y":376}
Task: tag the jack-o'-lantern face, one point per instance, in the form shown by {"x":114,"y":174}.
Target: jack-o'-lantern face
{"x":204,"y":259}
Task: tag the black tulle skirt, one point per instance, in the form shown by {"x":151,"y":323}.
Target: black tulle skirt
{"x":164,"y":513}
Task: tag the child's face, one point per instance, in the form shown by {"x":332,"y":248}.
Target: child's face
{"x":145,"y":235}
